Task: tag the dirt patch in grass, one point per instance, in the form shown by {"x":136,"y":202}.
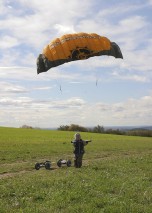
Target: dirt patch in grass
{"x":12,"y":174}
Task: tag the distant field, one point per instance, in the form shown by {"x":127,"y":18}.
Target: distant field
{"x":116,"y":175}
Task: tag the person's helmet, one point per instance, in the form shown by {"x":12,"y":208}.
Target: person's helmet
{"x":77,"y":136}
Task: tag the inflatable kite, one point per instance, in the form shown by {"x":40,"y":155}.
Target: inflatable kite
{"x":72,"y":47}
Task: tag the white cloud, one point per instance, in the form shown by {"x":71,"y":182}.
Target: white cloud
{"x":131,"y":112}
{"x":42,"y":88}
{"x":8,"y":42}
{"x":77,"y":110}
{"x":63,"y":29}
{"x":150,"y":2}
{"x":129,"y":76}
{"x":9,"y":88}
{"x":18,"y":73}
{"x":121,"y":8}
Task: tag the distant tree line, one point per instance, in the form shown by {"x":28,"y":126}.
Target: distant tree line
{"x":26,"y":127}
{"x":140,"y":132}
{"x":102,"y":130}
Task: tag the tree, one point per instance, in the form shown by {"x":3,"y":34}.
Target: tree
{"x":63,"y":128}
{"x":98,"y":129}
{"x":26,"y":127}
{"x":75,"y":127}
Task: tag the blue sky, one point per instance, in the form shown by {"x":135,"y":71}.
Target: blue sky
{"x":101,"y":90}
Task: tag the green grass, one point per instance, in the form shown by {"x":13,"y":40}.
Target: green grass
{"x":116,"y":176}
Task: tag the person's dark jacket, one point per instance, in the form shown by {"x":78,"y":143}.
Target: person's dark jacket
{"x":79,"y":146}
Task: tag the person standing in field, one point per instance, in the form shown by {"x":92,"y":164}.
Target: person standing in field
{"x":79,"y":151}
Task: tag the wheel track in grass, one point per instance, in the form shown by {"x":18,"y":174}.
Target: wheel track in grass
{"x":21,"y":172}
{"x":12,"y":174}
{"x":4,"y":175}
{"x":86,"y":162}
{"x":31,"y":169}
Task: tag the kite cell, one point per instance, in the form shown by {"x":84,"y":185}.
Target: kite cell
{"x":72,"y":47}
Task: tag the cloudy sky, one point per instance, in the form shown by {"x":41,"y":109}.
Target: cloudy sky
{"x":100,"y":90}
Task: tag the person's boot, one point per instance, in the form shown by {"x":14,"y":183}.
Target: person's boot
{"x":80,"y":164}
{"x":75,"y":163}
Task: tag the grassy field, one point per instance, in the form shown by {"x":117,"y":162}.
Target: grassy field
{"x":116,"y":176}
